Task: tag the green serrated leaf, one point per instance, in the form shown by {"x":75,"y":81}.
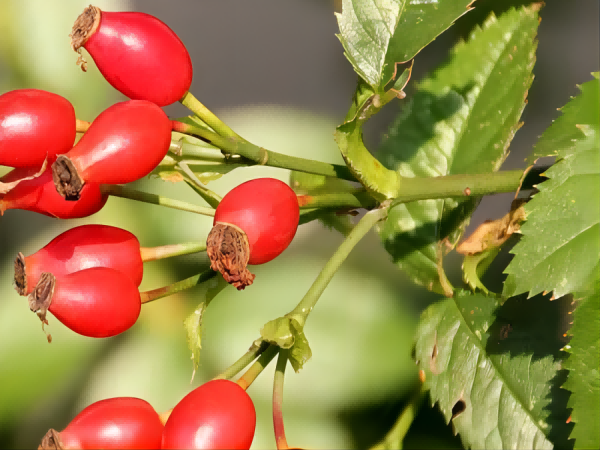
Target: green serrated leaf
{"x":460,"y":121}
{"x":366,"y":28}
{"x":376,"y":34}
{"x":560,"y":247}
{"x":491,"y":369}
{"x":193,"y":322}
{"x":561,"y":138}
{"x":584,"y":369}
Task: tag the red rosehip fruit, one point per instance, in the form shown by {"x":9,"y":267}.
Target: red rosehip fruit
{"x":96,"y":302}
{"x":114,"y":423}
{"x":125,"y":143}
{"x":139,"y":55}
{"x":81,"y":248}
{"x":253,"y":224}
{"x":34,"y":125}
{"x":39,"y":195}
{"x":218,"y":414}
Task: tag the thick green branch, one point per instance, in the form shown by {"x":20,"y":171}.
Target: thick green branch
{"x":412,"y":189}
{"x":338,"y":200}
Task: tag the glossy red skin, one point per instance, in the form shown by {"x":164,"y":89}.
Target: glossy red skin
{"x":218,"y":414}
{"x":125,"y":143}
{"x":96,"y":302}
{"x":84,"y":247}
{"x":141,"y":57}
{"x":268,"y":212}
{"x":114,"y":423}
{"x":39,"y":195}
{"x":34,"y":124}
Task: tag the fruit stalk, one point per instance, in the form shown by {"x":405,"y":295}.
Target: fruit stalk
{"x":303,"y":309}
{"x":168,"y":251}
{"x":278,"y":379}
{"x":256,"y":369}
{"x":155,"y":294}
{"x":255,"y":350}
{"x":125,"y":192}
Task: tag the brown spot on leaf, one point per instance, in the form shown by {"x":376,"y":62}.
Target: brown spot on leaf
{"x":422,"y":376}
{"x":459,"y":407}
{"x":505,"y":330}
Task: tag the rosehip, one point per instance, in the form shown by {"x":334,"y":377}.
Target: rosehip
{"x":95,"y":302}
{"x":81,"y":248}
{"x":39,"y":195}
{"x":218,"y":414}
{"x":34,"y":125}
{"x":125,"y":143}
{"x":114,"y":423}
{"x":139,"y":55}
{"x":253,"y":224}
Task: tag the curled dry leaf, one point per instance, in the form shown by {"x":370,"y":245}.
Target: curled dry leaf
{"x":494,"y":233}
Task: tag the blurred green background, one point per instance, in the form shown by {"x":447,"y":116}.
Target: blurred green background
{"x":275,"y":72}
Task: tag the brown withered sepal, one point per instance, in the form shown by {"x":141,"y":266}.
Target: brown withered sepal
{"x":66,"y":179}
{"x":228,"y":249}
{"x":20,"y":281}
{"x":85,"y":25}
{"x":51,"y":441}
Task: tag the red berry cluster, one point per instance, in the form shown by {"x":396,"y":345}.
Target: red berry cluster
{"x":217,"y":415}
{"x":88,"y":277}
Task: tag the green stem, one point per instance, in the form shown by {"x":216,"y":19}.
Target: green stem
{"x":124,"y":192}
{"x":255,"y":350}
{"x":155,"y":294}
{"x":204,"y":114}
{"x":167,"y":251}
{"x":338,"y":200}
{"x":303,"y":309}
{"x":449,"y":186}
{"x":396,"y":435}
{"x":278,"y":380}
{"x":210,"y":197}
{"x":255,"y":370}
{"x":236,"y":145}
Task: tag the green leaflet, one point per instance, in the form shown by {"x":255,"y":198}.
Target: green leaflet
{"x":193,"y":322}
{"x":376,"y":34}
{"x":584,"y":368}
{"x":460,"y":121}
{"x":491,"y":369}
{"x":287,"y":333}
{"x":560,"y":247}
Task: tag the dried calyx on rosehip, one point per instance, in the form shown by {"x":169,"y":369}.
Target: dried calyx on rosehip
{"x":138,"y":54}
{"x":253,"y":224}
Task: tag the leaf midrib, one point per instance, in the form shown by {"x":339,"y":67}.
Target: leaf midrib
{"x":497,"y":372}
